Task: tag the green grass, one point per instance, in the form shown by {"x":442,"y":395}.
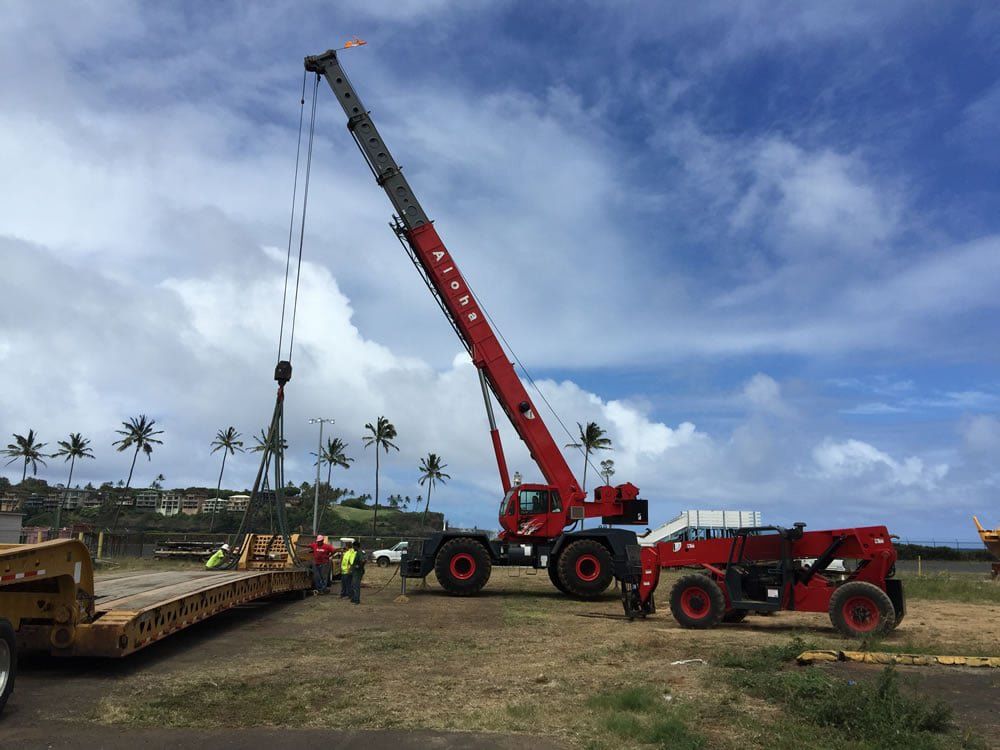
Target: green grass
{"x":642,"y":716}
{"x":346,"y":513}
{"x":824,"y":710}
{"x":953,"y":588}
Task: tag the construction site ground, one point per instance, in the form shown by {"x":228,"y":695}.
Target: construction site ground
{"x":519,"y":666}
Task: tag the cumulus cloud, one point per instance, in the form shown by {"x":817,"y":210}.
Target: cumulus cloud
{"x":858,"y":459}
{"x":763,"y":394}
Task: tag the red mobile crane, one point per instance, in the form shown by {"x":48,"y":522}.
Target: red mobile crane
{"x":758,"y":569}
{"x":533,"y":517}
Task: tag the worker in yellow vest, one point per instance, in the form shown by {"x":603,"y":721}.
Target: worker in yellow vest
{"x":216,"y":559}
{"x":346,"y":564}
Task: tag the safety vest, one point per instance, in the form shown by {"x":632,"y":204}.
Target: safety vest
{"x":347,"y":561}
{"x":215,"y":560}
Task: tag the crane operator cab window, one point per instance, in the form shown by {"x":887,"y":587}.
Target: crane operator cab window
{"x":536,"y":502}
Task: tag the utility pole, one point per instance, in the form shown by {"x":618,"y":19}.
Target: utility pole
{"x":319,"y":465}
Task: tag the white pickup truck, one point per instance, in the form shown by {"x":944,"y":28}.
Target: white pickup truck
{"x":385,"y":557}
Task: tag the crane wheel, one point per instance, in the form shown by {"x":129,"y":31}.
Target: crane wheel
{"x":859,"y":610}
{"x":585,"y":569}
{"x":553,"y":571}
{"x":462,"y":566}
{"x":8,"y":661}
{"x":697,"y":602}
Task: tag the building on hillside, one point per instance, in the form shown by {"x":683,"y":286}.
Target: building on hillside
{"x":191,"y":504}
{"x":147,"y":499}
{"x":237,"y":503}
{"x":169,"y":504}
{"x":9,"y":503}
{"x":214,"y":505}
{"x":34,"y":504}
{"x":74,"y":499}
{"x":92,"y":500}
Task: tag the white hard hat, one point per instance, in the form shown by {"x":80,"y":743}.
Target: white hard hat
{"x":225,"y":547}
{"x":347,"y":539}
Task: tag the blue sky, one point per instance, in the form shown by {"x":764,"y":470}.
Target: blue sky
{"x":758,"y":242}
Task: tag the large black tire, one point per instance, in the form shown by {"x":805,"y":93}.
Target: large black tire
{"x":8,"y":662}
{"x":861,"y":610}
{"x":697,"y":602}
{"x":553,"y":571}
{"x":735,"y":615}
{"x":585,"y":569}
{"x":383,"y":561}
{"x":463,"y":566}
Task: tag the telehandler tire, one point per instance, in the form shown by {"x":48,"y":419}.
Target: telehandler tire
{"x":585,"y":569}
{"x":860,"y":610}
{"x":462,"y":566}
{"x":697,"y":602}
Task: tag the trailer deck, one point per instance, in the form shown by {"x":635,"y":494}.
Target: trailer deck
{"x":50,"y":594}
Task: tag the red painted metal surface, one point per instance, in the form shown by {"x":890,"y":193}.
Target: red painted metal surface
{"x":871,"y":545}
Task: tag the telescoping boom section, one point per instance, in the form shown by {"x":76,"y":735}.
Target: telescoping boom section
{"x":562,"y":496}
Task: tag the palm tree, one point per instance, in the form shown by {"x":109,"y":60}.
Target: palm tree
{"x":431,"y":472}
{"x":228,"y":441}
{"x":73,"y":448}
{"x":334,"y":454}
{"x":140,"y":433}
{"x":591,"y":439}
{"x":24,"y":448}
{"x":260,"y":442}
{"x":383,"y":432}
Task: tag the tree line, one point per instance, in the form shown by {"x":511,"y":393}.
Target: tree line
{"x":139,"y":434}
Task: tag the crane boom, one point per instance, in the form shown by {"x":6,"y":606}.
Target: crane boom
{"x":441,"y":272}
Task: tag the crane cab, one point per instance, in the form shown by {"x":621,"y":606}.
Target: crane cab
{"x":532,"y":511}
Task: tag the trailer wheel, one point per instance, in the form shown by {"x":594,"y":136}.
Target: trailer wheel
{"x":462,"y":566}
{"x":8,"y":661}
{"x":697,"y":602}
{"x":585,"y":569}
{"x":735,"y":615}
{"x":859,"y":609}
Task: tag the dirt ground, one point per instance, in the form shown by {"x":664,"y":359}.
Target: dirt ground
{"x":519,"y":665}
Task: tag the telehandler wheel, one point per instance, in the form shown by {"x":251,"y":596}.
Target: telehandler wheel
{"x":859,"y":609}
{"x":8,"y":661}
{"x":697,"y":602}
{"x":462,"y":566}
{"x":735,"y":615}
{"x":585,"y":569}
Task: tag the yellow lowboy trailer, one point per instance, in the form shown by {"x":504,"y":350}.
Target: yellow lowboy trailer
{"x":49,"y":595}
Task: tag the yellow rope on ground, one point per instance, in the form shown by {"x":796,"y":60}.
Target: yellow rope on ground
{"x":917,"y":660}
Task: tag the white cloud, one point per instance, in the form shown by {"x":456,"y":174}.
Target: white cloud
{"x":860,"y":460}
{"x":763,"y":394}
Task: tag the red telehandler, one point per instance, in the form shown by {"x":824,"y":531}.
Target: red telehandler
{"x":538,"y":521}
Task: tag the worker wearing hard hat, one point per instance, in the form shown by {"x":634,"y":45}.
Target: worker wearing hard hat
{"x":346,"y":564}
{"x":216,"y":559}
{"x":321,"y":551}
